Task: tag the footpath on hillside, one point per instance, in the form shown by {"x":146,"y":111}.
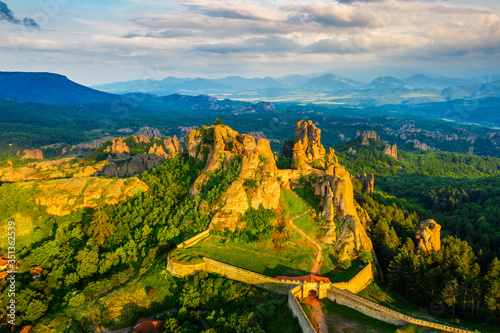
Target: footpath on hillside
{"x":318,"y":261}
{"x":318,"y":316}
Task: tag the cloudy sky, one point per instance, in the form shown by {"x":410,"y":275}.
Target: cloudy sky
{"x":101,"y":41}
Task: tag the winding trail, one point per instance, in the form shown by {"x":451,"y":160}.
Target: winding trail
{"x":318,"y":261}
{"x":317,"y":314}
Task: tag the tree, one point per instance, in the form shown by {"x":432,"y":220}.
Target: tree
{"x":287,"y":151}
{"x":492,"y":297}
{"x":450,"y":293}
{"x":100,"y":228}
{"x":366,"y":257}
{"x":35,"y":310}
{"x":218,"y":122}
{"x":494,"y":269}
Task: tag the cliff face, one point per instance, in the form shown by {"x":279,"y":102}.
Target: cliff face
{"x":428,"y":236}
{"x":136,"y":165}
{"x":367,"y":135}
{"x":256,"y":185}
{"x":347,"y":232}
{"x":35,"y":154}
{"x":156,"y":156}
{"x":308,"y":152}
{"x":368,"y":182}
{"x":391,"y":150}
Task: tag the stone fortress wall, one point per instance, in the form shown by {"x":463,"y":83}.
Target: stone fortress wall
{"x":297,"y":311}
{"x":380,"y":312}
{"x":358,"y":282}
{"x":194,"y":240}
{"x":248,"y":277}
{"x":343,"y":293}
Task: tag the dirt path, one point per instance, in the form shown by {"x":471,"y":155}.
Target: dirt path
{"x":318,"y":261}
{"x":317,"y":316}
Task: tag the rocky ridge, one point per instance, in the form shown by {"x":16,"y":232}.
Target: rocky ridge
{"x":52,"y":169}
{"x":366,"y":135}
{"x":63,"y":196}
{"x":256,"y":185}
{"x":260,"y":182}
{"x":35,"y":154}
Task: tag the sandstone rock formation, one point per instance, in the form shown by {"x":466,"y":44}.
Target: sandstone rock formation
{"x":428,"y":236}
{"x":339,"y":208}
{"x":256,"y":185}
{"x":61,"y":168}
{"x":172,"y":146}
{"x":63,"y":196}
{"x":388,"y":149}
{"x":35,"y":154}
{"x":118,"y":146}
{"x":308,"y":152}
{"x":260,"y":183}
{"x":136,"y":165}
{"x":93,"y":144}
{"x":367,"y":135}
{"x":391,"y":150}
{"x":150,"y":132}
{"x":368,"y":182}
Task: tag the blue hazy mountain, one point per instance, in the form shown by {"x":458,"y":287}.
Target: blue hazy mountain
{"x":330,"y":82}
{"x":48,"y":88}
{"x":383,"y":82}
{"x":424,"y":81}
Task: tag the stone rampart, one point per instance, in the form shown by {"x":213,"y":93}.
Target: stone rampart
{"x":297,"y":311}
{"x":238,"y":274}
{"x":193,"y":240}
{"x":359,"y":282}
{"x":382,"y":313}
{"x":183,"y":269}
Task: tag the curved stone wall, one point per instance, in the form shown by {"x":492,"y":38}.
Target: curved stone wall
{"x":382,"y":313}
{"x":180,"y":269}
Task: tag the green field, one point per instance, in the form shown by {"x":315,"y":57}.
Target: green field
{"x":341,"y":275}
{"x":293,"y":205}
{"x":296,"y":260}
{"x":308,"y":195}
{"x":340,"y":318}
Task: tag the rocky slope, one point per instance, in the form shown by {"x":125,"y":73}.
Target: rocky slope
{"x":256,"y":185}
{"x":260,"y":182}
{"x":63,"y":196}
{"x":54,"y":169}
{"x":157,"y":154}
{"x":35,"y":154}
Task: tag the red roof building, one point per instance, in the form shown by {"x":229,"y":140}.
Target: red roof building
{"x":307,"y":278}
{"x":145,"y":325}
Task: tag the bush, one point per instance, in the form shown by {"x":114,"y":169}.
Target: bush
{"x":346,"y":263}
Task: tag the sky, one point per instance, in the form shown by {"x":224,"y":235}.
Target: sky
{"x":95,"y":42}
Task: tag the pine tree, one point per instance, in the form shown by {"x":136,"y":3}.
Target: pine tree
{"x":100,"y":228}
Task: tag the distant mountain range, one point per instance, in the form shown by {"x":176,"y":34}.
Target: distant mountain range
{"x":314,"y":88}
{"x":312,"y":82}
